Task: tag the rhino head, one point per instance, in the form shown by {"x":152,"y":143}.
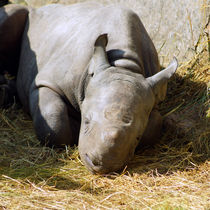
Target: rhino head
{"x":115,"y":110}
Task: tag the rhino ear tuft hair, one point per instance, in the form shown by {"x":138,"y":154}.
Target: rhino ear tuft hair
{"x":159,"y":81}
{"x":99,"y":60}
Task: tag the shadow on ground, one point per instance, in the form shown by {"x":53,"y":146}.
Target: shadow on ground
{"x":185,"y":140}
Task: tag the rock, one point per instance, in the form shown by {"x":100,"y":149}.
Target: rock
{"x":174,"y":26}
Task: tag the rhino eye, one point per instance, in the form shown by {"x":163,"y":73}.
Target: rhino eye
{"x":86,"y":124}
{"x":86,"y":121}
{"x":126,"y":118}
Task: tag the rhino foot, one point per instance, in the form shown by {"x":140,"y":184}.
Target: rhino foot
{"x":152,"y":133}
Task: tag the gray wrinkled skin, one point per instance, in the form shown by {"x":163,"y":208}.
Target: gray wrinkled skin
{"x":89,"y":74}
{"x":115,"y":119}
{"x":12,"y":24}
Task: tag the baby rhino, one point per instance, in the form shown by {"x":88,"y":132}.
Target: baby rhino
{"x":88,"y":74}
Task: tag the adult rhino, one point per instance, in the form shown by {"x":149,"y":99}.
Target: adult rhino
{"x":89,"y":74}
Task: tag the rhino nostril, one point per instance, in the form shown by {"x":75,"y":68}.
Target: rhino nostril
{"x":91,"y":162}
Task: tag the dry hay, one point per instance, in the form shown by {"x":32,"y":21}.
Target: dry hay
{"x":171,"y":175}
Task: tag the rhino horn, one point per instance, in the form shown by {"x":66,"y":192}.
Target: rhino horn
{"x":159,"y":81}
{"x":99,"y":61}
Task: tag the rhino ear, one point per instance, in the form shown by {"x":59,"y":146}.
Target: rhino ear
{"x":159,"y":81}
{"x":99,"y":60}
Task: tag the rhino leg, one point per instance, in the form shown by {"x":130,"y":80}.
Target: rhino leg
{"x":12,"y":25}
{"x":53,"y":121}
{"x":153,"y":130}
{"x":3,"y":2}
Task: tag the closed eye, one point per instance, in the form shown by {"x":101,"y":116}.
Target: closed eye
{"x":86,"y":125}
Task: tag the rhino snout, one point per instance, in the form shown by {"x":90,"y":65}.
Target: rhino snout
{"x":94,"y":164}
{"x":111,"y":137}
{"x":109,"y":153}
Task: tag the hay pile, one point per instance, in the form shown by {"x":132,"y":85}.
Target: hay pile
{"x":171,"y":175}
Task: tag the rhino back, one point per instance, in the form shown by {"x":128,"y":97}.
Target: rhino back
{"x":58,"y":45}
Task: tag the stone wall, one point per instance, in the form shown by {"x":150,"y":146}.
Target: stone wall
{"x":174,"y":25}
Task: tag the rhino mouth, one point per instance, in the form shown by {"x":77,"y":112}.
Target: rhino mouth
{"x":95,"y":166}
{"x":90,"y":162}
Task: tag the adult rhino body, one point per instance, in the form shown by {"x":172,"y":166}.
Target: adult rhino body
{"x":12,"y":24}
{"x":98,"y":61}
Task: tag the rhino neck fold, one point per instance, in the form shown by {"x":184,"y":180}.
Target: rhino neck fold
{"x":83,"y":83}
